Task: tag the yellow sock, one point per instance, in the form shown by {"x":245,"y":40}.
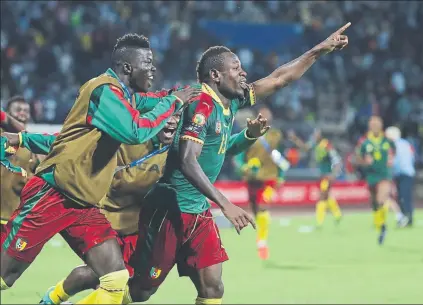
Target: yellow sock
{"x":207,"y":301}
{"x":58,"y":295}
{"x":3,"y":285}
{"x":111,"y":290}
{"x":263,"y":222}
{"x":127,"y":299}
{"x":379,"y":217}
{"x":89,"y":299}
{"x":321,"y":207}
{"x":334,"y":208}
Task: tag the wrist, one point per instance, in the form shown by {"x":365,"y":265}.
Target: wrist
{"x":248,"y":135}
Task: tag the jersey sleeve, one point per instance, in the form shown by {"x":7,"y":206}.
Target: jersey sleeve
{"x":197,"y":119}
{"x":249,"y":97}
{"x":110,"y":112}
{"x":37,"y":143}
{"x":239,"y":142}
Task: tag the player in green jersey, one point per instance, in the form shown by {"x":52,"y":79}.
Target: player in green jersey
{"x":330,"y":165}
{"x":376,"y":153}
{"x":176,"y":225}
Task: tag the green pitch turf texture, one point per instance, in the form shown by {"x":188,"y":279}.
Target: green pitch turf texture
{"x":338,"y":264}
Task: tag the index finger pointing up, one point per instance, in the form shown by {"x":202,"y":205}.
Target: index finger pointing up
{"x":341,"y":30}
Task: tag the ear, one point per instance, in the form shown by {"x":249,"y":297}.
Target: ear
{"x":215,"y":75}
{"x":127,"y":68}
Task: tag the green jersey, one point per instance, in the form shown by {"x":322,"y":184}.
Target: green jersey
{"x":208,"y":122}
{"x":325,"y":156}
{"x":381,"y":150}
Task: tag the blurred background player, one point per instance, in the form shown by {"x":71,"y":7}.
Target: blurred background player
{"x":263,"y":166}
{"x":404,"y":172}
{"x":375,"y":153}
{"x":330,"y":165}
{"x":12,"y":181}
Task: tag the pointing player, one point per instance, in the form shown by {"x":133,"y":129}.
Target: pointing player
{"x":176,"y":225}
{"x":78,"y":171}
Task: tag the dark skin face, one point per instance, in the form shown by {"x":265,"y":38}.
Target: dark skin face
{"x":231,"y":81}
{"x":167,"y":134}
{"x":20,"y":110}
{"x":137,"y":71}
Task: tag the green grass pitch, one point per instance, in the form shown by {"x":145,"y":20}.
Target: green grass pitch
{"x":338,"y":264}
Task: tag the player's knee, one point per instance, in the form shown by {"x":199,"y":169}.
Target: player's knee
{"x":212,"y":289}
{"x":81,"y":278}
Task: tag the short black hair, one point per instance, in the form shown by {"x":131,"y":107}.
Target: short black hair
{"x":212,"y":58}
{"x":126,"y":44}
{"x":15,"y":99}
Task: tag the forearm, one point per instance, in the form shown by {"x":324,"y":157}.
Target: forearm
{"x":286,"y":74}
{"x":301,"y":144}
{"x":240,"y":142}
{"x":196,"y":176}
{"x":36,"y":142}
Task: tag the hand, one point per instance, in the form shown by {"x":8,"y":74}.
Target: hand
{"x":238,"y":217}
{"x":336,"y":41}
{"x":186,"y":95}
{"x":12,"y":138}
{"x":368,"y":160}
{"x":257,"y":127}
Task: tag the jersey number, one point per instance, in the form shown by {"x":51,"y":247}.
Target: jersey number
{"x":223,"y":144}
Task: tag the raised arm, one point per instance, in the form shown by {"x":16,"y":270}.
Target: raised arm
{"x":295,"y":69}
{"x":110,"y":112}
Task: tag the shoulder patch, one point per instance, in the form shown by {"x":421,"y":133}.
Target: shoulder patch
{"x":199,"y":119}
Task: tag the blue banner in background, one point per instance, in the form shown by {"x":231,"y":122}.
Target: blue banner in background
{"x":261,"y":37}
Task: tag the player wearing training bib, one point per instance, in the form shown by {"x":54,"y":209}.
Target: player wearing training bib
{"x":329,"y":163}
{"x":121,"y":205}
{"x":79,"y":167}
{"x":376,"y":153}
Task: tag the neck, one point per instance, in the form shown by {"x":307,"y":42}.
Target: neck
{"x":125,"y":80}
{"x":375,"y":134}
{"x":225,"y":101}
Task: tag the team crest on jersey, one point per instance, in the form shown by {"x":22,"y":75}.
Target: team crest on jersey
{"x":218,"y":127}
{"x":21,"y":244}
{"x":155,"y":273}
{"x":369,"y":147}
{"x":199,"y":119}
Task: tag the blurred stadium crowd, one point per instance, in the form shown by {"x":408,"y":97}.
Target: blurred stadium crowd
{"x":49,"y":48}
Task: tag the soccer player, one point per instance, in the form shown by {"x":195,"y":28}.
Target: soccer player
{"x":261,"y":166}
{"x":176,"y":225}
{"x":121,"y":205}
{"x":14,"y":173}
{"x":330,"y":165}
{"x":376,"y":153}
{"x":78,"y":170}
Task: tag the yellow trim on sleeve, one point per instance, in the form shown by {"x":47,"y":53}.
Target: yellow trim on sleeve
{"x":20,"y":139}
{"x":192,"y":139}
{"x":252,"y":94}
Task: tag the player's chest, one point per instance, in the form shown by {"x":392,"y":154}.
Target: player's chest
{"x":378,"y":149}
{"x":220,"y":132}
{"x":320,"y":154}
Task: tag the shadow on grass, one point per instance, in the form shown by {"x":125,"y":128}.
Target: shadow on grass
{"x":273,"y":265}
